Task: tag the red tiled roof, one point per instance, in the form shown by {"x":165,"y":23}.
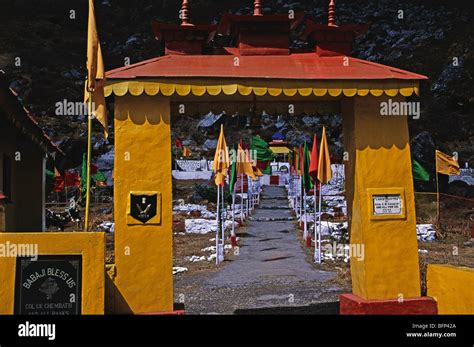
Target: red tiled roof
{"x":301,"y":66}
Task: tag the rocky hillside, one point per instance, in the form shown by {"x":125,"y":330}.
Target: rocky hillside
{"x":43,"y":44}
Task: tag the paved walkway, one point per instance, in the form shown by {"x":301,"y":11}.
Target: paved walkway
{"x":271,"y":270}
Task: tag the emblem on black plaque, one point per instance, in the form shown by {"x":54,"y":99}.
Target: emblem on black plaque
{"x":144,"y":207}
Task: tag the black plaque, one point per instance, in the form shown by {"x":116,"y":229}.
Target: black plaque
{"x":143,"y":207}
{"x":50,"y":285}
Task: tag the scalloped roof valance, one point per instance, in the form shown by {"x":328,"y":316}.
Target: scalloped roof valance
{"x":261,"y":87}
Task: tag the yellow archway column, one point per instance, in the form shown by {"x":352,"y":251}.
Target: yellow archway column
{"x":142,"y":277}
{"x":379,"y":165}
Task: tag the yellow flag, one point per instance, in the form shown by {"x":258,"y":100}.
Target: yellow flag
{"x":324,"y":164}
{"x":257,"y":172}
{"x":446,"y":164}
{"x":244,"y":166}
{"x":221,"y":159}
{"x":186,"y":152}
{"x":95,"y":72}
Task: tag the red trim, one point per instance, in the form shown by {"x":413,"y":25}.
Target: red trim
{"x":169,"y":313}
{"x":353,"y":304}
{"x":233,"y":240}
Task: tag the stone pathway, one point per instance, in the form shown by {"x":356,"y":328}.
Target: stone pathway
{"x":270,"y":273}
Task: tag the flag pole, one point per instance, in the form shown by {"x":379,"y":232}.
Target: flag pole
{"x":315,"y":214}
{"x":224,"y":215}
{"x":242,"y":198}
{"x":437,"y":189}
{"x":295,"y":187}
{"x":65,"y":185}
{"x":319,"y":226}
{"x":247,"y":213}
{"x":305,"y":229}
{"x":89,"y":152}
{"x":298,"y":195}
{"x":233,"y":239}
{"x":218,"y":225}
{"x":301,"y":199}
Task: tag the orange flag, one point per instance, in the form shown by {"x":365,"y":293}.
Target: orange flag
{"x":324,"y":164}
{"x":244,"y":165}
{"x":186,"y":152}
{"x":221,"y":159}
{"x":95,"y":73}
{"x":446,"y":164}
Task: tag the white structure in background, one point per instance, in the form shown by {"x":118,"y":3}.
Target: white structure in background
{"x":467,"y":175}
{"x":192,"y":169}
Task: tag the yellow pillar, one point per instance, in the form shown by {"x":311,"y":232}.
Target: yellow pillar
{"x":379,"y":164}
{"x":142,"y":278}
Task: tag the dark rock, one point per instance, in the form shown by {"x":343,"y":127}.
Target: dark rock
{"x":423,"y":148}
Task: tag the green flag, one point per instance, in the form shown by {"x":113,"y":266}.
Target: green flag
{"x":264,"y":154}
{"x":305,"y":174}
{"x":233,"y":171}
{"x":419,"y":172}
{"x":50,"y":177}
{"x":99,"y":177}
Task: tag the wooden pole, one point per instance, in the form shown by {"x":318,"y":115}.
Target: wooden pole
{"x":89,"y":152}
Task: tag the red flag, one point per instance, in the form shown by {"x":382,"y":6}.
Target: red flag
{"x":313,"y":166}
{"x":178,"y":143}
{"x":58,"y":184}
{"x":93,"y":169}
{"x":72,"y":179}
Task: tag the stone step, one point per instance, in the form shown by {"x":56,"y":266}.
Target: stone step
{"x":270,"y":219}
{"x":282,"y":207}
{"x":274,"y":197}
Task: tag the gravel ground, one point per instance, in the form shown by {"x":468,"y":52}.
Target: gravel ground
{"x":270,"y":273}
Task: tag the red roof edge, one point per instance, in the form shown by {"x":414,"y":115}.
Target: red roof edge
{"x":24,"y":116}
{"x":418,"y":76}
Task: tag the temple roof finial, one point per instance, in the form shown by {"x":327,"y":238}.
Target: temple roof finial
{"x":184,"y":13}
{"x":332,"y":14}
{"x":257,"y":8}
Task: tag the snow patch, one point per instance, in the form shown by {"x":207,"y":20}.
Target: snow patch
{"x":204,"y":226}
{"x":179,"y":269}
